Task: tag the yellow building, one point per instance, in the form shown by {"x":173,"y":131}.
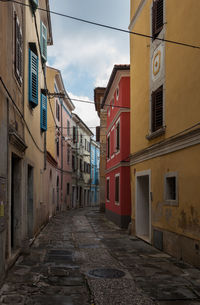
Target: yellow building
{"x":165,"y":133}
{"x":38,"y":35}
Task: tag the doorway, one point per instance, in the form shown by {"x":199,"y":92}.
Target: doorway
{"x":143,"y":207}
{"x":15,"y":209}
{"x":30,"y":202}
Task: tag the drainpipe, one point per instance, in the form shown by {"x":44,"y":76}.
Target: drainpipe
{"x":61,"y":151}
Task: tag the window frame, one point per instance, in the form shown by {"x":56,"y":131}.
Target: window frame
{"x":167,"y":200}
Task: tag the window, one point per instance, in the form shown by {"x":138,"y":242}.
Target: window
{"x":18,"y":51}
{"x":57,"y":146}
{"x":81,"y":169}
{"x":57,"y":111}
{"x":68,"y":188}
{"x":157,"y":17}
{"x":73,"y":163}
{"x":118,"y":136}
{"x":43,"y":41}
{"x":68,"y":155}
{"x":68,"y":128}
{"x":171,"y":188}
{"x":43,"y":112}
{"x":108,"y":189}
{"x":157,"y":109}
{"x":108,"y":147}
{"x":74,"y":134}
{"x":33,"y":78}
{"x":117,"y":94}
{"x":85,"y":144}
{"x":112,"y":103}
{"x":117,"y":189}
{"x":81,"y":139}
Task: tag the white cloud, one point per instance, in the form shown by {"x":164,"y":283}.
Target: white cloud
{"x":85,"y":111}
{"x":96,"y":57}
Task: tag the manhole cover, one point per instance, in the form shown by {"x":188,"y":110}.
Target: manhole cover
{"x":107,"y":273}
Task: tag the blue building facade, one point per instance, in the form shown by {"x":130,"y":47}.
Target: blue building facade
{"x":95,"y":160}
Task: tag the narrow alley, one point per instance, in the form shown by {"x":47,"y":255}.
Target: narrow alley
{"x":81,"y":258}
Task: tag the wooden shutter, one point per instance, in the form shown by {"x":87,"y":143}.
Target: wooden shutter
{"x":157,"y":17}
{"x":43,"y":41}
{"x":18,"y":50}
{"x":33,"y":78}
{"x":43,"y":112}
{"x":157,"y":109}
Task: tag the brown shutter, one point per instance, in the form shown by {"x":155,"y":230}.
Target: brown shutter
{"x":157,"y":17}
{"x":157,"y":109}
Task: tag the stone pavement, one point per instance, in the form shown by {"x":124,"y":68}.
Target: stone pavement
{"x":81,"y":258}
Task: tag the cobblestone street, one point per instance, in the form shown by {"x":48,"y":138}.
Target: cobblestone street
{"x":81,"y":258}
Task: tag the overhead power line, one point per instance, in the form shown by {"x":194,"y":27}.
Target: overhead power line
{"x":111,"y":27}
{"x":90,"y":102}
{"x":21,"y":115}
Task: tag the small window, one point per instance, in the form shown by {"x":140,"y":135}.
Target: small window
{"x":171,"y":188}
{"x":81,"y":169}
{"x":117,"y":94}
{"x":157,"y":17}
{"x":18,"y":51}
{"x":43,"y":41}
{"x":68,"y":188}
{"x":112,"y":103}
{"x":68,"y":128}
{"x":43,"y":112}
{"x":157,"y":109}
{"x":33,"y":78}
{"x":118,"y":136}
{"x":73,"y":163}
{"x":117,"y":189}
{"x":108,"y":147}
{"x":57,"y":111}
{"x":57,"y":147}
{"x":74,"y":134}
{"x":108,"y":190}
{"x":68,"y":156}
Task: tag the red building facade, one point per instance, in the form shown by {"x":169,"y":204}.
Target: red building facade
{"x":117,"y":103}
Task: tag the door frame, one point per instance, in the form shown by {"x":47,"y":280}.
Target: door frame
{"x":146,"y":173}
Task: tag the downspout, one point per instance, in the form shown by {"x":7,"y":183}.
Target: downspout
{"x":61,"y":151}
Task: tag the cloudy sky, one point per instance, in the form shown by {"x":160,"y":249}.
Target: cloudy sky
{"x":85,"y":53}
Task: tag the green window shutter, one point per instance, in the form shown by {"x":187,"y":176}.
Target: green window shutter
{"x":43,"y":41}
{"x":33,"y":79}
{"x":43,"y":112}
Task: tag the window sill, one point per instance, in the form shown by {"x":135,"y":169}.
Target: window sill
{"x":155,"y":134}
{"x":171,"y":202}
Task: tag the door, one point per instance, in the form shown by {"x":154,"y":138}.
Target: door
{"x":143,"y":210}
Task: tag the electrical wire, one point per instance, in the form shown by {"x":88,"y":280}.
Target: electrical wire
{"x":111,"y":27}
{"x":90,"y":102}
{"x":12,"y":100}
